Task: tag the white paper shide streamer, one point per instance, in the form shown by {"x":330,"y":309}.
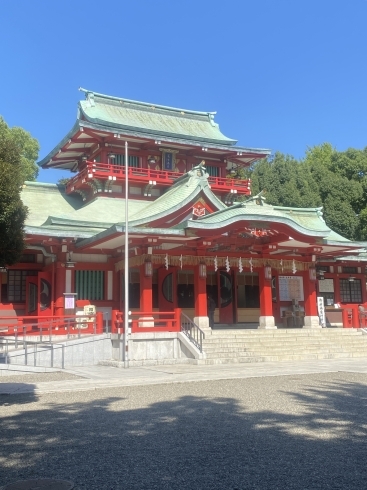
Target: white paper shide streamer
{"x":294,"y":270}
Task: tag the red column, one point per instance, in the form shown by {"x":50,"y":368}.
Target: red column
{"x":266,"y":319}
{"x":201,"y":308}
{"x":266,"y":300}
{"x":311,"y":312}
{"x":310,"y":295}
{"x":146,"y":297}
{"x":99,"y":322}
{"x":59,"y":289}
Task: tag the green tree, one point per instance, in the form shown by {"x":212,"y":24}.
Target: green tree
{"x":286,"y":181}
{"x":28,"y":149}
{"x":340,"y":179}
{"x":17,"y":158}
{"x":63,"y":181}
{"x":337,"y":181}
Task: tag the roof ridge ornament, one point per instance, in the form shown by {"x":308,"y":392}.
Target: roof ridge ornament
{"x":199,"y":170}
{"x":259,"y":199}
{"x":89,"y":96}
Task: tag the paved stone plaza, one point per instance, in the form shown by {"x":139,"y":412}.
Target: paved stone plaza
{"x":300,"y":431}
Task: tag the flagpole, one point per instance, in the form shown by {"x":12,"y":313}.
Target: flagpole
{"x":126,"y":311}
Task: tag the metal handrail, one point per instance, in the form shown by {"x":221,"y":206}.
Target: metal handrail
{"x":192,"y":331}
{"x":36,"y":344}
{"x":51,"y":326}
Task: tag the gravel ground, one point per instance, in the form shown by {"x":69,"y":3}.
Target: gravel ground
{"x":37,"y":377}
{"x":286,"y":432}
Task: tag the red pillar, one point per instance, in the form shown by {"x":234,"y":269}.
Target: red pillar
{"x":201,"y":308}
{"x":59,"y":289}
{"x":146,"y":297}
{"x":311,"y":313}
{"x":310,"y":295}
{"x":266,"y":302}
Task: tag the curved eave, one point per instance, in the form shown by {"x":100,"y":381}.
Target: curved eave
{"x":226,"y":224}
{"x":148,"y":132}
{"x":43,"y":163}
{"x":146,"y":104}
{"x":346,"y":244}
{"x":133,"y":133}
{"x":44,"y":231}
{"x":120,"y":229}
{"x":178,"y":206}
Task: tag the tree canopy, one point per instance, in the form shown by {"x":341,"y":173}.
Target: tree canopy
{"x":27,"y":147}
{"x":18,"y":152}
{"x":325,"y":177}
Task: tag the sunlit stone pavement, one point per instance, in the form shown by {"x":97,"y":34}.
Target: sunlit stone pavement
{"x":273,"y":430}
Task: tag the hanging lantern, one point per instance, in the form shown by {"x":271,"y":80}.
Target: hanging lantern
{"x":202,"y":270}
{"x":312,"y":273}
{"x":267,"y":272}
{"x":148,"y":268}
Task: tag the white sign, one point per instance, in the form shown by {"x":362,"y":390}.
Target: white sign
{"x":326,"y":286}
{"x":321,"y":310}
{"x":291,"y":287}
{"x":89,"y":310}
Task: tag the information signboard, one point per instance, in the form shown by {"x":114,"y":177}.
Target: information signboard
{"x":291,"y":288}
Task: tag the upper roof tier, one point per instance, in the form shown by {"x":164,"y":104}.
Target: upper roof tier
{"x":103,"y":120}
{"x":131,"y":115}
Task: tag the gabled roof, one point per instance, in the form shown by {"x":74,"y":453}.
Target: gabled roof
{"x":104,"y":118}
{"x":256,"y":213}
{"x":117,"y":113}
{"x":183,"y":192}
{"x":307,"y":221}
{"x":49,"y":206}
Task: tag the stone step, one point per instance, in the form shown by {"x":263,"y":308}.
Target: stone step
{"x":282,"y":345}
{"x":251,"y":345}
{"x":291,"y":340}
{"x":290,"y":349}
{"x":345,"y":353}
{"x":275,"y":358}
{"x":311,"y":348}
{"x":285,"y":333}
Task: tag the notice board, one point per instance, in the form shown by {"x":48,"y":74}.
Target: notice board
{"x":291,"y":287}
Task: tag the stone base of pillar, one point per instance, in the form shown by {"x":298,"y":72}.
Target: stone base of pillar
{"x":203,"y":323}
{"x":267,"y":322}
{"x":312,"y":322}
{"x":146,"y":322}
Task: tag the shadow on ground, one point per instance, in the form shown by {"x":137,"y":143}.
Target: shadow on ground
{"x":294,"y":432}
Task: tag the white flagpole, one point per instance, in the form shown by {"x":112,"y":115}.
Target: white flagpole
{"x":126,"y":311}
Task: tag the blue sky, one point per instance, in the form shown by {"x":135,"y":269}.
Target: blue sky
{"x":281,"y":74}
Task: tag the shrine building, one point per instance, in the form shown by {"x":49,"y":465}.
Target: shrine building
{"x":194,"y":230}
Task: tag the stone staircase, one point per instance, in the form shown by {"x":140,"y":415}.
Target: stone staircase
{"x":233,"y":346}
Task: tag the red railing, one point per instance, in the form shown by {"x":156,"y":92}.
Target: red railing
{"x":52,"y":325}
{"x":105,"y":171}
{"x":142,"y":322}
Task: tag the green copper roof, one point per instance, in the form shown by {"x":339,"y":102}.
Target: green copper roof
{"x":306,"y":221}
{"x":182,"y":192}
{"x":125,"y":114}
{"x":49,"y":205}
